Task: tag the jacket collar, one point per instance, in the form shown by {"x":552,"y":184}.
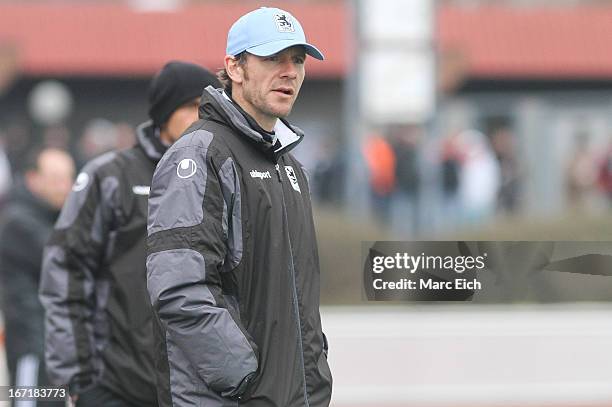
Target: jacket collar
{"x":216,"y":105}
{"x":147,"y":136}
{"x":22,"y":196}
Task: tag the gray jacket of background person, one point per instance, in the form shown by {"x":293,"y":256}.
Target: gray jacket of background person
{"x":27,"y":222}
{"x":93,"y":286}
{"x":233,"y":268}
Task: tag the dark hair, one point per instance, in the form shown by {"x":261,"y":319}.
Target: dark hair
{"x":224,"y":78}
{"x":32,"y":158}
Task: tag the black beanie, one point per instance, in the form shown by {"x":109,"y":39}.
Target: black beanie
{"x":177,"y":83}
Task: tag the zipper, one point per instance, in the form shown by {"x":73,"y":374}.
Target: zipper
{"x":278,"y":173}
{"x":296,"y":306}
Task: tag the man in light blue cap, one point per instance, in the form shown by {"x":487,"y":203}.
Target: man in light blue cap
{"x":264,"y":65}
{"x":232,"y":266}
{"x":267,"y":31}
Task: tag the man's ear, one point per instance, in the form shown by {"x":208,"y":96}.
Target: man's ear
{"x":31,"y":180}
{"x":234,"y":70}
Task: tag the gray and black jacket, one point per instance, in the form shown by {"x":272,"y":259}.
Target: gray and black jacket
{"x":98,"y":316}
{"x":233,"y":268}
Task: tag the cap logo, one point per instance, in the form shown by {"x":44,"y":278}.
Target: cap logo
{"x":284,"y":23}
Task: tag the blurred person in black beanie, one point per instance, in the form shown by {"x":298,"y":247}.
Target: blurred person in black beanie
{"x":174,"y":98}
{"x":93,"y":285}
{"x":34,"y":204}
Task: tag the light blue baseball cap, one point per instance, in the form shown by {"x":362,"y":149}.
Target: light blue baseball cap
{"x":266,"y":31}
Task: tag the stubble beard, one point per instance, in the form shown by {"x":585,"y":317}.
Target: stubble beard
{"x":257,"y":99}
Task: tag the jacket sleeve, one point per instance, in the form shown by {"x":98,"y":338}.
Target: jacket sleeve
{"x":192,"y":217}
{"x":68,"y":278}
{"x":21,"y":246}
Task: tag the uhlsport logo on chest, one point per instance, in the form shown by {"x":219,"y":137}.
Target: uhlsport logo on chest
{"x":260,"y":174}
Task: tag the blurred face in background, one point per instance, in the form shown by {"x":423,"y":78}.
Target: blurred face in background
{"x":179,"y":121}
{"x":267,"y":87}
{"x":52,"y":180}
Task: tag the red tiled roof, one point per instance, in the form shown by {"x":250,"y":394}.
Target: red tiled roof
{"x":112,"y":39}
{"x":90,"y":39}
{"x":527,"y":42}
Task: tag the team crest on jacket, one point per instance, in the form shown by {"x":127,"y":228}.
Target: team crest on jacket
{"x":292,"y":178}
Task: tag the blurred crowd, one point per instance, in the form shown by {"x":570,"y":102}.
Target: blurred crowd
{"x":475,"y":177}
{"x":36,"y":176}
{"x":98,"y":136}
{"x":18,"y":140}
{"x":588,"y":175}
